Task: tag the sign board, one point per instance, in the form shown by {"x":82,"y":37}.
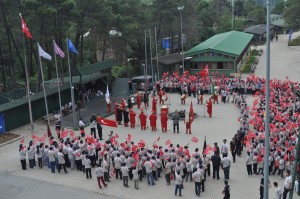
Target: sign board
{"x":2,"y":123}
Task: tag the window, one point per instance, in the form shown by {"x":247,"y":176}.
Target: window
{"x":213,"y":65}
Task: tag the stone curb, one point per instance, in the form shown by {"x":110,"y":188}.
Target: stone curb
{"x":11,"y":141}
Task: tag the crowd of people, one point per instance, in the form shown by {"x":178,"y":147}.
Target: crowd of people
{"x":129,"y":160}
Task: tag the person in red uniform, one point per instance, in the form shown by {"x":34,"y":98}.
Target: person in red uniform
{"x":108,"y":104}
{"x":143,"y":120}
{"x":154,"y":102}
{"x":160,"y":94}
{"x":153,"y":119}
{"x":138,"y":100}
{"x":132,"y":115}
{"x":123,"y":104}
{"x":116,"y":111}
{"x":209,"y":107}
{"x":164,"y":121}
{"x":188,"y":125}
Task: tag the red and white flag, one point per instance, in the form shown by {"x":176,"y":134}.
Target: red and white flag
{"x":141,"y":143}
{"x":107,"y":122}
{"x":25,"y":29}
{"x":168,"y":142}
{"x":128,"y":137}
{"x":116,"y":136}
{"x":194,"y":139}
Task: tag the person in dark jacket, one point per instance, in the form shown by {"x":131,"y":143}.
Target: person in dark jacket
{"x":99,"y":128}
{"x":119,"y":115}
{"x":126,"y":117}
{"x":216,"y":162}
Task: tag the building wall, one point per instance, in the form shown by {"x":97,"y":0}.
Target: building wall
{"x":19,"y":116}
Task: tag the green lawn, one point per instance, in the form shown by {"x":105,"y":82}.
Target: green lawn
{"x":295,"y":42}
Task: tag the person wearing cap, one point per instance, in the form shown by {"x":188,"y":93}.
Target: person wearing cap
{"x":164,"y":121}
{"x":209,"y":107}
{"x":153,"y":119}
{"x":123,"y":104}
{"x":119,"y":114}
{"x":154,"y":102}
{"x":132,"y":115}
{"x":138,"y":100}
{"x":143,"y":120}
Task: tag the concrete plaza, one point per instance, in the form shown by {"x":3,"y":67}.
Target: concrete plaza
{"x":284,"y":61}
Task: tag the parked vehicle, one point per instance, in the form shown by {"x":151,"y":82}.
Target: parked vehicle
{"x":142,"y":83}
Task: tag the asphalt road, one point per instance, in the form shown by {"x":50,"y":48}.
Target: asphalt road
{"x":15,"y":187}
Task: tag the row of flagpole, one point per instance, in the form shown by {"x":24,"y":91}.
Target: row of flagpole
{"x":45,"y":55}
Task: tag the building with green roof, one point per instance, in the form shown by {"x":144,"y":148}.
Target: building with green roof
{"x":223,"y":53}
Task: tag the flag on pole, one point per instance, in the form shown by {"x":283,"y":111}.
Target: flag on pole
{"x":43,"y":54}
{"x":71,"y":47}
{"x":58,"y":51}
{"x":25,"y":29}
{"x":107,"y":122}
{"x":204,"y":146}
{"x":191,"y":112}
{"x":107,"y":94}
{"x":204,"y":72}
{"x":194,"y":139}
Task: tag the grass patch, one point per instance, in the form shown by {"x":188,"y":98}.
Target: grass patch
{"x":295,"y":42}
{"x":254,"y":52}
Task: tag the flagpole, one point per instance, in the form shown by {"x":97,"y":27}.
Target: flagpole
{"x":70,"y":81}
{"x":27,"y":84}
{"x":43,"y":83}
{"x":156,"y":55}
{"x":58,"y":86}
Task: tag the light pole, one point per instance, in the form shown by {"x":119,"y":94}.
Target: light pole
{"x":180,"y":8}
{"x":267,"y":117}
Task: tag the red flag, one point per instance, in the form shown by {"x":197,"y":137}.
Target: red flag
{"x":191,"y":111}
{"x":194,"y":139}
{"x":128,"y":137}
{"x":107,"y":122}
{"x":168,"y":142}
{"x":116,"y":136}
{"x":204,"y":72}
{"x":22,"y":141}
{"x":141,"y":143}
{"x":72,"y":133}
{"x":25,"y":29}
{"x":157,"y":140}
{"x":35,"y":137}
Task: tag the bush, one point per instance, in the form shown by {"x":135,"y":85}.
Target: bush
{"x":295,"y":42}
{"x":247,"y":66}
{"x":254,"y":52}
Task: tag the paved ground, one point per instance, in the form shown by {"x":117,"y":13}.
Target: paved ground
{"x":223,"y":125}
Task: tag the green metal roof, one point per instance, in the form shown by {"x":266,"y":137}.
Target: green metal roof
{"x":76,"y":79}
{"x":34,"y":97}
{"x":211,"y":59}
{"x":97,"y":67}
{"x":279,"y":23}
{"x":233,"y":42}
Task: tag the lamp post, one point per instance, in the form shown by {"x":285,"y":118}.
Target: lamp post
{"x":180,"y":8}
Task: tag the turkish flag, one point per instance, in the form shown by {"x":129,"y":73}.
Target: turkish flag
{"x":116,"y":136}
{"x":22,"y":141}
{"x":194,"y":139}
{"x":129,"y":137}
{"x":157,"y":140}
{"x":204,"y":72}
{"x":168,"y":142}
{"x":107,"y":122}
{"x":141,"y":143}
{"x":25,"y":29}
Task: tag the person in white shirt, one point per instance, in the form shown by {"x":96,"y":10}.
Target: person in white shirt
{"x":249,"y":164}
{"x":287,"y":184}
{"x":125,"y":171}
{"x":189,"y":170}
{"x":197,"y":179}
{"x":277,"y":191}
{"x":100,"y":173}
{"x":178,"y":183}
{"x":224,"y":148}
{"x":168,"y":172}
{"x":88,"y":167}
{"x":226,"y":166}
{"x":51,"y":156}
{"x":61,"y":161}
{"x":135,"y":173}
{"x":281,"y":166}
{"x":149,"y":174}
{"x":22,"y":153}
{"x":105,"y":167}
{"x":118,"y":162}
